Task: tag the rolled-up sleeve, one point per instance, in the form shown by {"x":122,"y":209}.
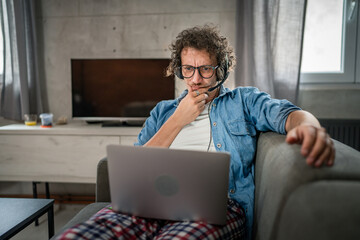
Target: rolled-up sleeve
{"x":149,"y":128}
{"x":158,"y":116}
{"x":268,"y":114}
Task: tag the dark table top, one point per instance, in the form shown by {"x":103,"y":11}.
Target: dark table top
{"x":17,"y":212}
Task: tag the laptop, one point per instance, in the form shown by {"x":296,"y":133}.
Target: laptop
{"x":169,"y":184}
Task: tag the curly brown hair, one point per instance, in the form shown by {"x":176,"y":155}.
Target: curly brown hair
{"x":202,"y":37}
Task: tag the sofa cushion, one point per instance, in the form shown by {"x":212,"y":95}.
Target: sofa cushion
{"x":321,"y":208}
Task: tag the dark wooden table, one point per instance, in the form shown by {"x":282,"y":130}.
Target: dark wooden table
{"x":18,"y":213}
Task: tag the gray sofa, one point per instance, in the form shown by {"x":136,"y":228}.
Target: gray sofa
{"x":292,"y":200}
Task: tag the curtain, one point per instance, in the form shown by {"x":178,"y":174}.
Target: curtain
{"x":21,"y":92}
{"x":269,"y":45}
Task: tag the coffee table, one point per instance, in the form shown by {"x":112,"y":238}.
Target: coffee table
{"x":18,"y":213}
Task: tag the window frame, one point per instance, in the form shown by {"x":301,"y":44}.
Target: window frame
{"x":350,"y":58}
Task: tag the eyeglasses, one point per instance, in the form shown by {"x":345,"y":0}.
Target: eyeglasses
{"x":205,"y":71}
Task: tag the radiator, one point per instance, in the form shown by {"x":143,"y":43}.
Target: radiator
{"x":344,"y":130}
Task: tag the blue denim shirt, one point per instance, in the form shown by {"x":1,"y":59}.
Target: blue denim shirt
{"x":239,"y":114}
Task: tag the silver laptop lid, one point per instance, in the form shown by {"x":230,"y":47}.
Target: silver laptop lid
{"x":169,"y":184}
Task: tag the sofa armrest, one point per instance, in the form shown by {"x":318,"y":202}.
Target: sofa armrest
{"x":102,"y":182}
{"x":297,"y":201}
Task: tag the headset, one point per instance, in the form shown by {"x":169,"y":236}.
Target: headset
{"x":225,"y":68}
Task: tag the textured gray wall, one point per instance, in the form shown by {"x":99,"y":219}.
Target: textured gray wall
{"x":144,"y":29}
{"x":117,"y":29}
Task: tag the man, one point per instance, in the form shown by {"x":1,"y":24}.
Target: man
{"x":210,"y":117}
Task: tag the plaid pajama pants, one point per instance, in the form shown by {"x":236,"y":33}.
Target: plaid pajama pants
{"x":107,"y":224}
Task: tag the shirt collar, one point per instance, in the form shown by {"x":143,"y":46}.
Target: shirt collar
{"x":224,"y":90}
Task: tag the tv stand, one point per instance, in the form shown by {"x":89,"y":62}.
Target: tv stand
{"x":129,"y":123}
{"x":63,"y":153}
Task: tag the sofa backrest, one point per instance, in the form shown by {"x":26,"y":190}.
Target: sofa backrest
{"x":296,"y":201}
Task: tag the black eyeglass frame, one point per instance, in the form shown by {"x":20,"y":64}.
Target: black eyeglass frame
{"x":198,"y":68}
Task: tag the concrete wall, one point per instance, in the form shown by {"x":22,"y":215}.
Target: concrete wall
{"x":144,"y":29}
{"x":117,"y":29}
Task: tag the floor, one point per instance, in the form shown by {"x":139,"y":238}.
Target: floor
{"x":62,"y":214}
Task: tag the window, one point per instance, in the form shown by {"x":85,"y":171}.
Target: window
{"x":330,"y":42}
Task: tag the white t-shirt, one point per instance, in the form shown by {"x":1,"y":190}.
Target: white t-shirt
{"x":196,"y":135}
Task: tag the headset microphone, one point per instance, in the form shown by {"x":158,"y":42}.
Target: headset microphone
{"x":213,"y":88}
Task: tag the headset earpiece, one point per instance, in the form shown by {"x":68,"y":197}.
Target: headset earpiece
{"x":225,"y":73}
{"x":224,"y":69}
{"x":178,"y":73}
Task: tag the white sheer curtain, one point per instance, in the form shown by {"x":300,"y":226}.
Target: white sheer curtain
{"x":269,"y":45}
{"x":21,"y":91}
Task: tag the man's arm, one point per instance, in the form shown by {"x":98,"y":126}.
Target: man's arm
{"x":316,"y":145}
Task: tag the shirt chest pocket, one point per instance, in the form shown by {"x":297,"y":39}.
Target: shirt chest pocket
{"x":243,"y":140}
{"x":241,"y":128}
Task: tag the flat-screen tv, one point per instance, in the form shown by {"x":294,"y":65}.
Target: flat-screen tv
{"x":123,"y":90}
